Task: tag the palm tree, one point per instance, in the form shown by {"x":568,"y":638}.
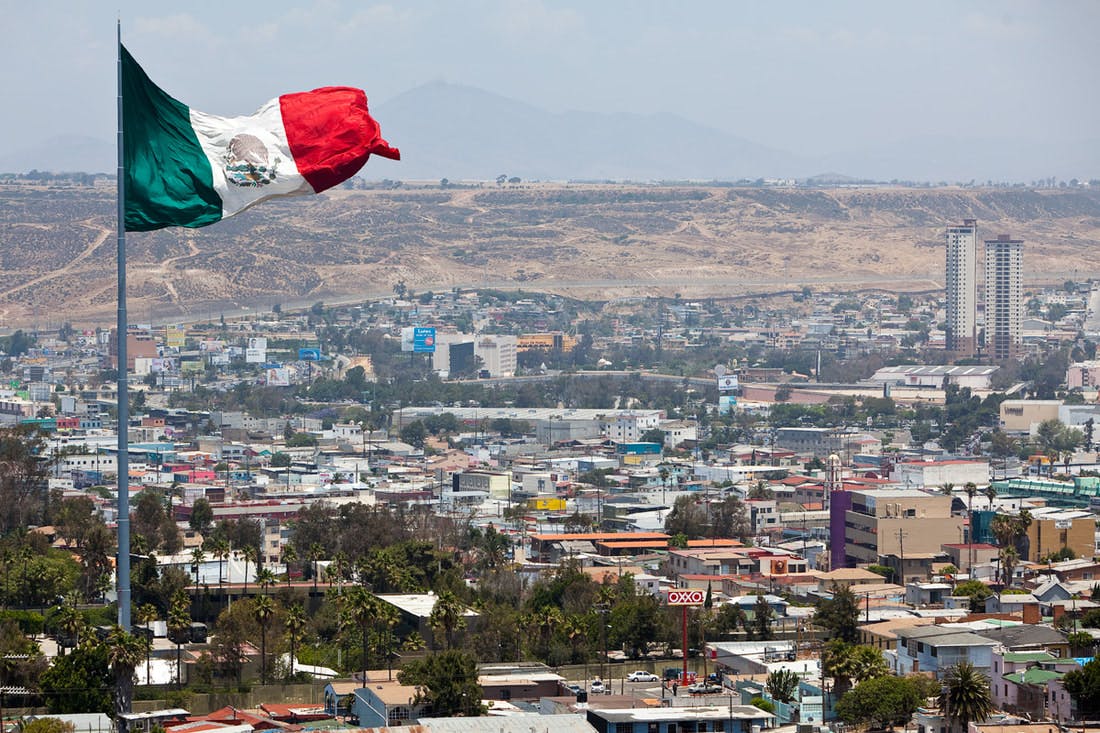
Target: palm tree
{"x":198,"y":557}
{"x":290,"y":556}
{"x":295,"y":625}
{"x":1008,"y":558}
{"x":124,"y":652}
{"x":146,"y":615}
{"x":265,"y":579}
{"x":70,"y":622}
{"x":221,"y":552}
{"x":947,"y":488}
{"x":387,"y":618}
{"x":447,"y":616}
{"x":263,"y":608}
{"x":179,"y":624}
{"x":250,"y":554}
{"x":315,"y":554}
{"x":965,"y":696}
{"x":360,"y":610}
{"x":971,"y":489}
{"x":991,"y":494}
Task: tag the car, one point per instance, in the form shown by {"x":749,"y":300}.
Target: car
{"x":598,"y":688}
{"x":642,"y":676}
{"x":574,"y":688}
{"x":704,"y":688}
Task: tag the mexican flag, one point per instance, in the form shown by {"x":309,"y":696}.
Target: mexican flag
{"x":190,"y":169}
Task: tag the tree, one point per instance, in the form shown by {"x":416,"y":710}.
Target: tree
{"x":762,"y":615}
{"x":1083,"y":685}
{"x":280,"y":459}
{"x":848,"y":663}
{"x":79,"y":682}
{"x":202,"y":516}
{"x":23,"y":478}
{"x":294,"y":625}
{"x":47,"y":725}
{"x":447,"y":617}
{"x":782,"y":685}
{"x":977,"y":591}
{"x":446,"y":684}
{"x":882,"y":701}
{"x":965,"y":696}
{"x":124,"y":653}
{"x":359,"y":608}
{"x":263,"y":609}
{"x":415,"y":434}
{"x":179,"y":628}
{"x":839,"y":615}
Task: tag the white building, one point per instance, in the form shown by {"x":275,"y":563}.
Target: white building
{"x":933,"y":474}
{"x":962,"y":287}
{"x":497,"y":354}
{"x":1004,"y":304}
{"x":628,"y":427}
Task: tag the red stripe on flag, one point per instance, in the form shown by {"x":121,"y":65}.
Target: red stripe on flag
{"x":331,"y":134}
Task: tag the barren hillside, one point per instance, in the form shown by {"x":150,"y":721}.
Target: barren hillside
{"x":57,"y":246}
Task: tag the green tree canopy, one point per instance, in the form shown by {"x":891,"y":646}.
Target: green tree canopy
{"x":447,"y":683}
{"x":79,"y":682}
{"x":1083,"y":685}
{"x":882,"y":701}
{"x":839,"y":615}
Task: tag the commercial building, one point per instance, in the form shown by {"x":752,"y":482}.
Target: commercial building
{"x":884,"y":522}
{"x":1052,"y":530}
{"x":962,"y":287}
{"x":1023,"y":416}
{"x":928,"y":474}
{"x":1004,"y":305}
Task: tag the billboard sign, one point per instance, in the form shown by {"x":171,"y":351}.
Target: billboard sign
{"x":278,"y":377}
{"x":423,"y":340}
{"x":309,"y":355}
{"x":686,"y":597}
{"x":727,"y":382}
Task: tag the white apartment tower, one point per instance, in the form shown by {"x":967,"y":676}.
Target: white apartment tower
{"x":1004,"y":304}
{"x":962,"y":287}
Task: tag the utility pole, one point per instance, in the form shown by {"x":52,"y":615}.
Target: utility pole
{"x":902,"y":534}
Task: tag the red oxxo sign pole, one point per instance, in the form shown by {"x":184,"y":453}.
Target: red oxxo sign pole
{"x":684,"y":599}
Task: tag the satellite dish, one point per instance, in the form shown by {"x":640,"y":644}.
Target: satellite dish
{"x":720,"y":370}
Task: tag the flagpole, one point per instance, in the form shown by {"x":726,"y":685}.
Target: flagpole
{"x":122,"y":566}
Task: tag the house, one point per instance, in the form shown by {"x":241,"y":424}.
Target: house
{"x":1028,"y":637}
{"x":723,"y":718}
{"x":1019,"y":680}
{"x":939,"y":647}
{"x":1014,"y":603}
{"x":379,"y":704}
{"x":512,"y":723}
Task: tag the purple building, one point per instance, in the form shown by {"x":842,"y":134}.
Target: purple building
{"x":840,"y":502}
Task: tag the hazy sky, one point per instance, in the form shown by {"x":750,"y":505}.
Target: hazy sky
{"x":810,"y":77}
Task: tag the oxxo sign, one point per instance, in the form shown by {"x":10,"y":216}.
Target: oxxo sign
{"x":686,"y":597}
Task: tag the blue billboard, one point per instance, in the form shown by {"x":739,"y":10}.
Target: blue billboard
{"x":309,"y":355}
{"x":423,"y":340}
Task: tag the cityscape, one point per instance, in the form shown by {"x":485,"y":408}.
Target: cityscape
{"x":550,"y":366}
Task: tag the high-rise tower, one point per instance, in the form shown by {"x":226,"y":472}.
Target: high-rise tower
{"x":962,"y":287}
{"x":1004,"y":303}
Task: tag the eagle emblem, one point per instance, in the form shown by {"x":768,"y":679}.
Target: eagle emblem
{"x":248,"y":162}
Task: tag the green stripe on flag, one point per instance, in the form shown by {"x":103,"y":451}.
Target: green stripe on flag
{"x":169,"y":181}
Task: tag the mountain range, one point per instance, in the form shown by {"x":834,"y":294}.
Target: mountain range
{"x":461,"y":132}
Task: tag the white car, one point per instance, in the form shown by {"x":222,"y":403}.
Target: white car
{"x":598,"y":688}
{"x":642,"y":676}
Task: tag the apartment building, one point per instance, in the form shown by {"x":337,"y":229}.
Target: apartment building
{"x":961,"y":279}
{"x":1004,"y":303}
